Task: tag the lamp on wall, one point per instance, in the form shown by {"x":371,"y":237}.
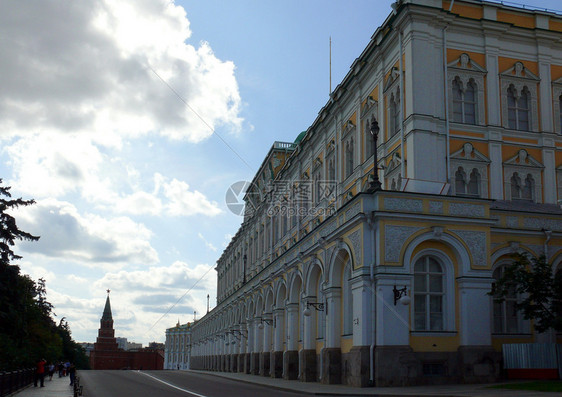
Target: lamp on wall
{"x":401,"y":295}
{"x":268,"y":321}
{"x":317,"y":306}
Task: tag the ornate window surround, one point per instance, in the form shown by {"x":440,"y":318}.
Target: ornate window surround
{"x":556,"y":93}
{"x":466,"y":69}
{"x":369,"y":110}
{"x":523,"y":163}
{"x":448,"y":289}
{"x":469,"y":158}
{"x":392,"y":172}
{"x":519,"y":76}
{"x":391,"y":87}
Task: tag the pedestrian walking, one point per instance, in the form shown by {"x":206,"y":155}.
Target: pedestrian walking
{"x":40,"y":373}
{"x":72,"y":373}
{"x":51,"y":371}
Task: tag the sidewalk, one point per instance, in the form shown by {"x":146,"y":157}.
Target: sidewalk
{"x":58,"y":387}
{"x":313,"y":388}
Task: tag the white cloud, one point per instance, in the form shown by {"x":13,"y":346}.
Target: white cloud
{"x":182,"y":201}
{"x":87,"y":68}
{"x":207,"y":244}
{"x":86,"y":238}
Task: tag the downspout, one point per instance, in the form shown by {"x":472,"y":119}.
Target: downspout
{"x":446,"y":78}
{"x":402,"y":105}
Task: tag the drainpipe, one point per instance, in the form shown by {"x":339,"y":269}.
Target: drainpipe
{"x":446,"y":78}
{"x":402,"y":106}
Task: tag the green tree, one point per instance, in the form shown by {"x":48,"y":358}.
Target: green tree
{"x":538,"y":288}
{"x":27,"y":329}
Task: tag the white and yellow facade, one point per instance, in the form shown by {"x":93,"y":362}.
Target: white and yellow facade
{"x":468,"y":97}
{"x":177,"y":347}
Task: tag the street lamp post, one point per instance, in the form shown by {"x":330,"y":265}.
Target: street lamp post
{"x":375,"y":183}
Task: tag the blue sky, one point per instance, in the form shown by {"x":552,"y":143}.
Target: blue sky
{"x":129,"y":182}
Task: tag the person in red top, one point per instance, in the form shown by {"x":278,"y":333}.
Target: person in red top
{"x":40,"y":373}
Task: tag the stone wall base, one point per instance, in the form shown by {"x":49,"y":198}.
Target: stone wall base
{"x":356,"y":366}
{"x":401,"y":366}
{"x":291,"y":364}
{"x":276,"y":365}
{"x":234,"y":363}
{"x":307,"y":365}
{"x":331,"y":366}
{"x":255,"y":363}
{"x":264,"y":363}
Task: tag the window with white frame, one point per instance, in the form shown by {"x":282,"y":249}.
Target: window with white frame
{"x":507,"y":320}
{"x":466,"y":91}
{"x":522,"y":178}
{"x":518,"y":108}
{"x":467,"y":185}
{"x":464,"y":102}
{"x":429,"y":292}
{"x":519,"y":98}
{"x":368,"y":114}
{"x":392,"y":102}
{"x":394,"y":112}
{"x":469,"y":172}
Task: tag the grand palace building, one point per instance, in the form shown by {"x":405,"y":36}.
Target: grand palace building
{"x":335,"y":279}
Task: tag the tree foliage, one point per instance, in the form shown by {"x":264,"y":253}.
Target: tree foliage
{"x":27,"y":329}
{"x":539,"y":291}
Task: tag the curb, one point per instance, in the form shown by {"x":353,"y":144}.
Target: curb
{"x":312,"y":393}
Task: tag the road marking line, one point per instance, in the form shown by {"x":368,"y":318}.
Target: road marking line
{"x":169,"y":384}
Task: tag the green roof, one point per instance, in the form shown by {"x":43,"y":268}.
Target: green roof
{"x":300,"y":137}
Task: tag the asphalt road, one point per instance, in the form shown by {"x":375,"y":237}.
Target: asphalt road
{"x":168,"y":384}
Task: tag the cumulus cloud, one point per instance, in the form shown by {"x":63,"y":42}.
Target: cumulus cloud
{"x":93,"y":68}
{"x":86,"y":238}
{"x":177,"y":276}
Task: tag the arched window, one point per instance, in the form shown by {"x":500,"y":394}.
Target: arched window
{"x":523,"y":110}
{"x":460,"y":181}
{"x":394,"y":116}
{"x":464,"y":102}
{"x":331,"y":171}
{"x":349,"y":157}
{"x":518,"y":107}
{"x":511,"y":107}
{"x":515,"y":186}
{"x":470,"y":103}
{"x":318,"y":185}
{"x":507,"y":320}
{"x":457,"y":101}
{"x":368,"y":140}
{"x":474,"y":183}
{"x":428,"y":294}
{"x":347,"y":301}
{"x":529,"y":188}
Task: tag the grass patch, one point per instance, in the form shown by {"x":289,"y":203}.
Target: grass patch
{"x":539,"y":385}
